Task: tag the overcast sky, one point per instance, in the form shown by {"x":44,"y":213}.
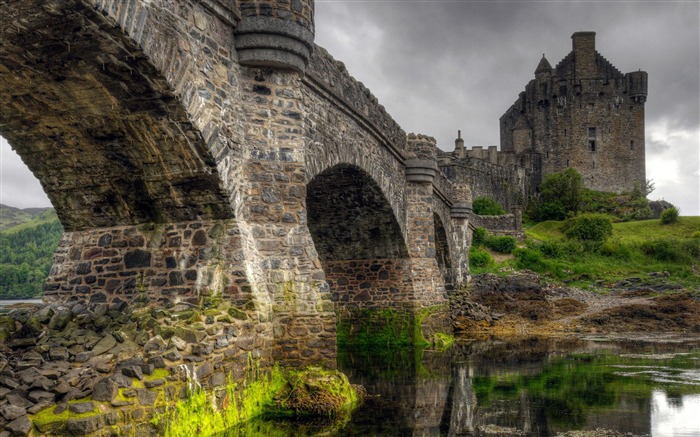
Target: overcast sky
{"x":440,"y":66}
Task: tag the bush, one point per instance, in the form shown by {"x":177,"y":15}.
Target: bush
{"x":503,"y":244}
{"x":552,"y":249}
{"x":561,"y":195}
{"x":479,"y":258}
{"x":588,"y":227}
{"x":526,"y":258}
{"x":487,"y":206}
{"x":478,"y":237}
{"x":669,"y":215}
{"x":617,"y":249}
{"x":666,"y":250}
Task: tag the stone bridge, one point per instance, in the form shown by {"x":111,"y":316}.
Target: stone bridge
{"x":206,"y":150}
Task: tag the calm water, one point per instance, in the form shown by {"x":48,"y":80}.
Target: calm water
{"x":535,"y":387}
{"x":4,"y":304}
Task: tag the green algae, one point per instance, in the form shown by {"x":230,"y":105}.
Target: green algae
{"x":261,"y":393}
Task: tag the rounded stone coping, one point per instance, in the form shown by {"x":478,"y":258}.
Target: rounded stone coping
{"x":460,"y":210}
{"x":272,"y":42}
{"x":421,"y":170}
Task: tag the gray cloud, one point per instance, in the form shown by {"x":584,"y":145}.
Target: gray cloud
{"x":440,"y":66}
{"x":18,"y":186}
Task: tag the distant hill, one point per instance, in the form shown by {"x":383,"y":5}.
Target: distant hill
{"x":11,"y":217}
{"x":28,"y":239}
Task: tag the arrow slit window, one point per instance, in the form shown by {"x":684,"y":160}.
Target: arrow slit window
{"x":592,"y":139}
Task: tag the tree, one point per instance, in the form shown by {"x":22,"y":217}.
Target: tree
{"x":560,"y":197}
{"x":487,"y":206}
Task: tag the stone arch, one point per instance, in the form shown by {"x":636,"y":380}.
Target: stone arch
{"x":350,"y":219}
{"x":98,"y":124}
{"x":359,"y":243}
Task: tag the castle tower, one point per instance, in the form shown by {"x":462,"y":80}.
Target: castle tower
{"x":583,"y":113}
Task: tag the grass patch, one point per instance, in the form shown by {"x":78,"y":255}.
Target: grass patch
{"x":634,"y":249}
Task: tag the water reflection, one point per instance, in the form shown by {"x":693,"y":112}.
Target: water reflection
{"x":532,"y":387}
{"x":675,"y":416}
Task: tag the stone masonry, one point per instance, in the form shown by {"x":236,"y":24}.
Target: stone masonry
{"x":199,"y":151}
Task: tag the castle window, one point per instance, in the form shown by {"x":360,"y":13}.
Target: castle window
{"x":592,"y":139}
{"x":632,"y":145}
{"x":591,"y":107}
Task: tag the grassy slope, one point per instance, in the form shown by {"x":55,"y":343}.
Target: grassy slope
{"x":626,"y":232}
{"x":624,"y":258}
{"x":45,"y":217}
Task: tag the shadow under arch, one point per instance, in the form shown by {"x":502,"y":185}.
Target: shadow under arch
{"x":98,"y":124}
{"x":442,"y":252}
{"x":359,"y":242}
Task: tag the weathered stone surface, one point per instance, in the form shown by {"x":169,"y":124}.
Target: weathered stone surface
{"x":86,"y":425}
{"x":105,"y":390}
{"x":12,"y":412}
{"x":19,"y":427}
{"x":81,"y":407}
{"x":155,"y":344}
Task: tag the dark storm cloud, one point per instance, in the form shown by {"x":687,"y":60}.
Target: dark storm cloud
{"x":440,"y":66}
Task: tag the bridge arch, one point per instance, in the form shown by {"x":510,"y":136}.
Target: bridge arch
{"x":358,"y":239}
{"x":99,"y":124}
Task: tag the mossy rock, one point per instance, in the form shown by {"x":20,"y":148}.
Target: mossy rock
{"x":315,"y":392}
{"x":237,"y":314}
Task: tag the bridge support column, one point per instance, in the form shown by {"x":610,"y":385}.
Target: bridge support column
{"x":459,"y":214}
{"x":428,"y":281}
{"x":273,"y":205}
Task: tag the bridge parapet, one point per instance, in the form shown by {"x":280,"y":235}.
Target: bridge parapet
{"x":355,"y":99}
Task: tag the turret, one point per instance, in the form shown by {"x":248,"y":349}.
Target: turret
{"x":637,"y":85}
{"x":275,"y":33}
{"x":544,"y":69}
{"x":459,"y":146}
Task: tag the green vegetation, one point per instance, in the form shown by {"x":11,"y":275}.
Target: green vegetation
{"x":26,"y":253}
{"x":588,"y":227}
{"x":487,"y":206}
{"x":502,"y":244}
{"x":479,"y":258}
{"x":635,"y":248}
{"x":669,"y":216}
{"x":562,"y":195}
{"x":312,"y":391}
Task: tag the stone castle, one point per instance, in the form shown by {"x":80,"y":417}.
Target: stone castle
{"x":584,"y":113}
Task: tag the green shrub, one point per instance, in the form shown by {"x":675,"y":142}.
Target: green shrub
{"x":479,"y":258}
{"x":615,"y":248}
{"x":478,"y":237}
{"x":552,"y":249}
{"x":695,"y":234}
{"x":666,"y":250}
{"x":588,"y":227}
{"x":503,"y":244}
{"x":669,"y":215}
{"x":487,"y":206}
{"x":527,"y":258}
